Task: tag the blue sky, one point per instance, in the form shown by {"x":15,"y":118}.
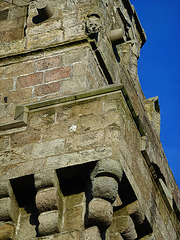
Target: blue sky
{"x":159,"y":69}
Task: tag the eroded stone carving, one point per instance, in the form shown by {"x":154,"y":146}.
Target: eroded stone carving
{"x":93,"y":24}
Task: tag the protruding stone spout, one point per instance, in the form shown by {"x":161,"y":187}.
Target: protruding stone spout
{"x":117,"y":36}
{"x":44,"y":9}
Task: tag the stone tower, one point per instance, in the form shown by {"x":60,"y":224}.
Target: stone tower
{"x":80,"y":156}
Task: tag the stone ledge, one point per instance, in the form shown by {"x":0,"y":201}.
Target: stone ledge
{"x":21,"y":112}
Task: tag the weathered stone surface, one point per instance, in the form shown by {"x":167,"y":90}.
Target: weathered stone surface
{"x":49,"y":223}
{"x":45,"y":179}
{"x":74,"y":235}
{"x":125,"y":226}
{"x":6,"y":85}
{"x":5,"y":209}
{"x":25,"y":230}
{"x":108,"y":167}
{"x":134,"y":210}
{"x":105,"y":187}
{"x":77,"y":157}
{"x":74,"y":218}
{"x":74,"y":200}
{"x":8,"y":209}
{"x":153,"y":111}
{"x":48,"y":148}
{"x":7,"y":231}
{"x":100,"y":213}
{"x":92,"y":233}
{"x":47,"y":63}
{"x":4,"y":189}
{"x":148,"y":237}
{"x":47,"y":200}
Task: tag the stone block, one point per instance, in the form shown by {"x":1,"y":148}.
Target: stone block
{"x":8,"y":209}
{"x":2,"y":70}
{"x":134,"y":210}
{"x":100,"y":213}
{"x":71,"y":57}
{"x":149,"y":237}
{"x":4,"y":185}
{"x":48,"y":200}
{"x":41,"y":119}
{"x":6,"y":85}
{"x":46,"y":179}
{"x":23,"y":168}
{"x":47,"y":63}
{"x":5,"y":209}
{"x":43,"y":39}
{"x":74,"y":200}
{"x":74,"y":85}
{"x":92,"y":233}
{"x":7,"y":231}
{"x":47,"y":89}
{"x":48,"y":148}
{"x":19,"y":69}
{"x":70,"y":159}
{"x":125,"y":226}
{"x":108,"y":167}
{"x":105,"y":187}
{"x":49,"y":223}
{"x":74,"y":218}
{"x":29,"y":80}
{"x":18,"y":95}
{"x":74,"y":235}
{"x":82,"y":141}
{"x":26,"y":230}
{"x":58,"y":74}
{"x":25,"y":137}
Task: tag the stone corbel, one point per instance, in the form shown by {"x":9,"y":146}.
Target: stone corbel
{"x":9,"y":211}
{"x":49,"y":202}
{"x":105,"y":178}
{"x":44,"y":9}
{"x":117,"y":36}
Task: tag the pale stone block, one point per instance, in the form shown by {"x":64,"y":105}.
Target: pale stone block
{"x":46,"y":179}
{"x":47,"y":200}
{"x":78,"y":157}
{"x":4,"y":189}
{"x":8,"y":209}
{"x":5,"y":209}
{"x":105,"y":187}
{"x":125,"y":226}
{"x":149,"y":237}
{"x":74,"y":235}
{"x":7,"y":231}
{"x":100,"y":213}
{"x":108,"y":167}
{"x":134,"y":210}
{"x":73,"y":218}
{"x":92,"y":233}
{"x":49,"y":148}
{"x":49,"y":223}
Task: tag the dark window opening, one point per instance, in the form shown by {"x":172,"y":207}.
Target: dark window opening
{"x":126,"y":192}
{"x":73,"y":179}
{"x":25,"y":194}
{"x":156,"y":106}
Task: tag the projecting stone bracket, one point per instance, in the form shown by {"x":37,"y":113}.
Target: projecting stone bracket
{"x":105,"y":177}
{"x":117,"y":36}
{"x":49,"y":202}
{"x":9,"y":211}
